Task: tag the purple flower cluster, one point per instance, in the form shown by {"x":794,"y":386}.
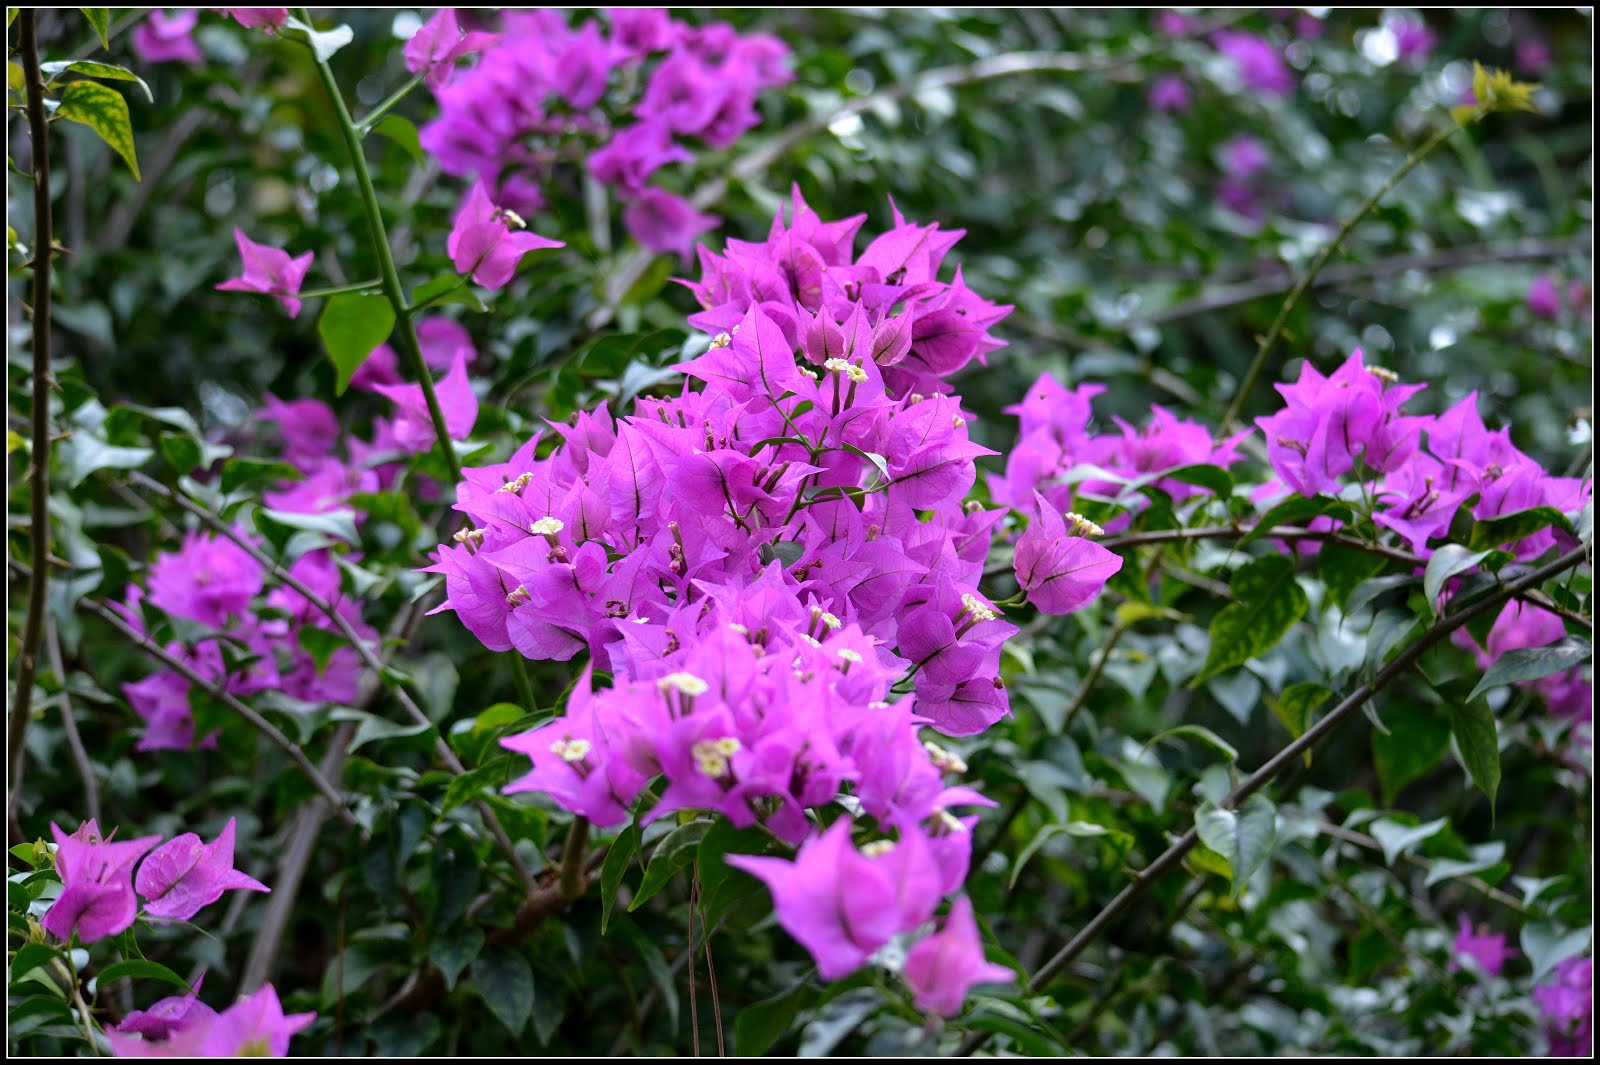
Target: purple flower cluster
{"x":1353,"y":423}
{"x":763,"y":563}
{"x":1568,"y":1008}
{"x":1487,"y":950}
{"x":540,"y":85}
{"x":1057,"y":457}
{"x":213,"y":582}
{"x":182,"y":1026}
{"x":177,"y":881}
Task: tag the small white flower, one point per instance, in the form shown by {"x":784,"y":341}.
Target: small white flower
{"x":571,"y":750}
{"x":976,"y":608}
{"x":1082,"y":526}
{"x":686,"y":683}
{"x":547,"y":526}
{"x":877,"y":847}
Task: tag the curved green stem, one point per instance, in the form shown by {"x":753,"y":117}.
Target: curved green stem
{"x":364,"y":127}
{"x":339,"y":290}
{"x":1299,"y":290}
{"x":407,"y":336}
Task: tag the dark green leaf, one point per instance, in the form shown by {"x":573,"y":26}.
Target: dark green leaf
{"x":1446,"y":562}
{"x":1343,"y":568}
{"x":1416,"y":742}
{"x":1509,"y":528}
{"x":1473,"y":725}
{"x":140,"y":969}
{"x":320,"y":644}
{"x":505,"y":980}
{"x":1547,"y":946}
{"x":1244,"y":836}
{"x":471,"y":784}
{"x":760,"y":1024}
{"x":31,"y":956}
{"x":454,"y":950}
{"x":618,"y":858}
{"x":1201,"y":733}
{"x":1268,"y":601}
{"x":1296,"y":706}
{"x":1295,"y":511}
{"x":246,"y":472}
{"x":1532,"y":663}
{"x":672,"y":855}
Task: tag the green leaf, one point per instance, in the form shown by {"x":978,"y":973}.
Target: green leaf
{"x":245,"y":472}
{"x":1343,"y":568}
{"x":1478,"y":742}
{"x":1214,"y":478}
{"x":760,"y":1024}
{"x":1485,"y":856}
{"x":1509,"y":528}
{"x":447,"y":288}
{"x":1547,"y":946}
{"x":404,"y":133}
{"x":1296,"y":706}
{"x":278,"y":525}
{"x":471,"y":784}
{"x":1268,"y":603}
{"x":1416,"y":742}
{"x":321,"y":643}
{"x":1039,"y":840}
{"x":352,"y":325}
{"x":1244,"y":836}
{"x":455,"y":950}
{"x":1201,"y":733}
{"x":1396,"y":838}
{"x":618,"y":858}
{"x":1294,"y":511}
{"x":139,"y":968}
{"x":1368,"y":590}
{"x":103,"y":110}
{"x":1446,"y":562}
{"x":505,"y":980}
{"x":100,"y":19}
{"x":89,"y":68}
{"x":1532,"y":663}
{"x":672,"y":854}
{"x":30,"y":957}
{"x":85,"y":453}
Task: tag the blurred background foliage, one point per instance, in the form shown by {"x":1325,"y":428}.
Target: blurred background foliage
{"x":1101,"y":219}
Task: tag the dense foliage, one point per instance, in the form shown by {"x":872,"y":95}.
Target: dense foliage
{"x":810,"y":531}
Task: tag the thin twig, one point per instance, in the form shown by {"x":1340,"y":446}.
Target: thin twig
{"x":39,"y":387}
{"x":1173,"y":855}
{"x":69,"y":725}
{"x":1299,"y":290}
{"x":256,"y":721}
{"x":362,"y":647}
{"x":1360,"y":839}
{"x":757,"y":162}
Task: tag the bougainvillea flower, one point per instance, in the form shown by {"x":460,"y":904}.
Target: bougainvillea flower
{"x":269,"y":271}
{"x":1544,"y":299}
{"x":1487,"y":949}
{"x":183,"y":875}
{"x":636,"y":152}
{"x":254,"y":1026}
{"x":483,"y":244}
{"x":1169,"y":93}
{"x":164,"y":38}
{"x":1258,"y":61}
{"x":97,"y":883}
{"x":170,"y":1015}
{"x":665,"y":223}
{"x":208,"y":580}
{"x":1061,"y":569}
{"x":413,"y":423}
{"x":257,"y":17}
{"x":1568,"y":1007}
{"x":942,"y":967}
{"x":841,"y":905}
{"x":438,"y":43}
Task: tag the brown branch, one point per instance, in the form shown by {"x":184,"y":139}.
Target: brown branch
{"x":39,"y":386}
{"x":1173,"y":855}
{"x":69,"y":725}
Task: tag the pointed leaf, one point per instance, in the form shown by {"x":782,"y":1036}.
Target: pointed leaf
{"x":672,"y":855}
{"x":1478,"y":742}
{"x":351,"y":326}
{"x":100,"y":19}
{"x":1244,"y":836}
{"x":1532,"y":663}
{"x":1268,"y":602}
{"x":1446,"y":562}
{"x":103,"y":110}
{"x":616,"y":864}
{"x":505,"y":980}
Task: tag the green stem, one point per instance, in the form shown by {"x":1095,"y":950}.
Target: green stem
{"x":1411,"y":163}
{"x":39,"y":417}
{"x":519,"y":673}
{"x":407,"y":336}
{"x":364,"y":127}
{"x":339,"y":290}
